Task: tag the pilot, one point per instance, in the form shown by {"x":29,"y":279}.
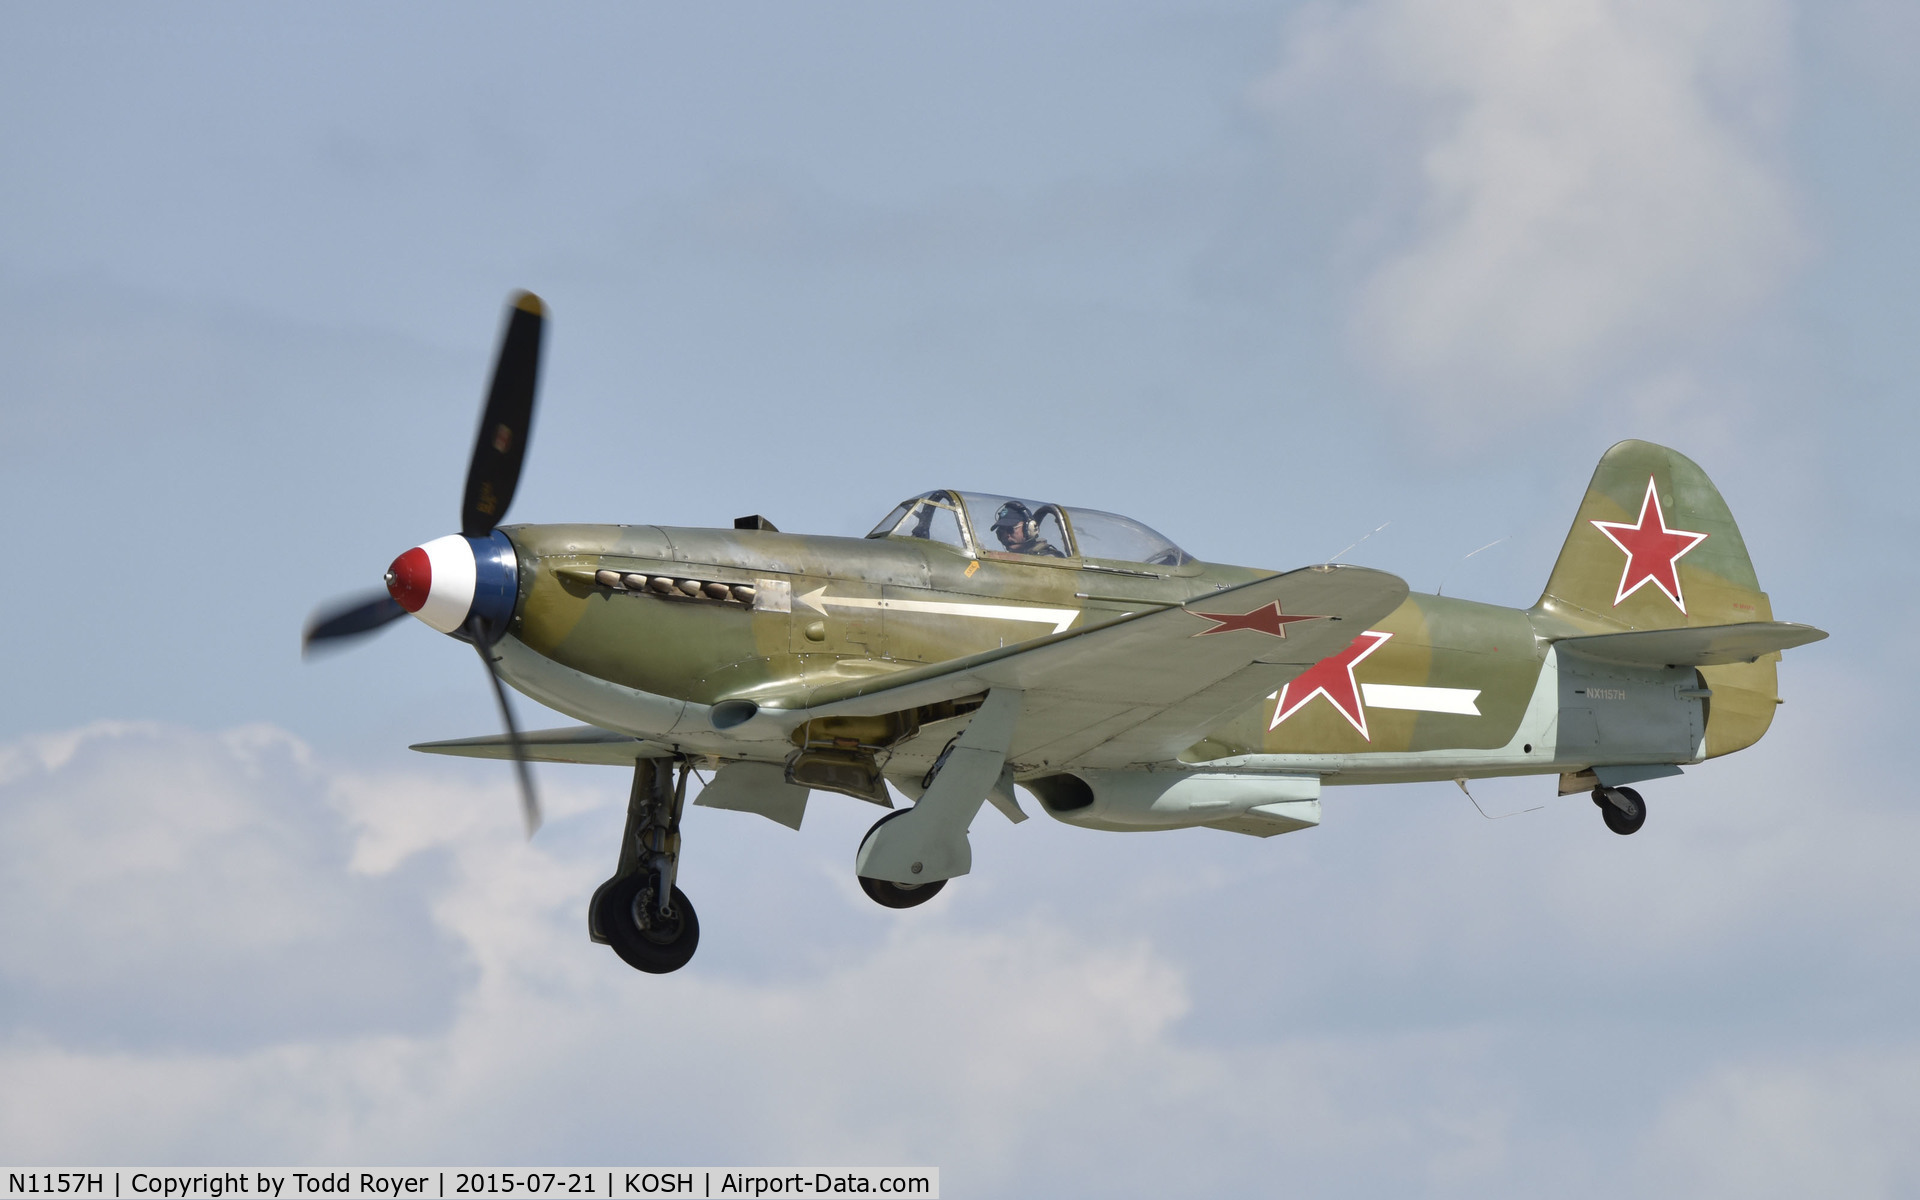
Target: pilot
{"x":1017,"y":530}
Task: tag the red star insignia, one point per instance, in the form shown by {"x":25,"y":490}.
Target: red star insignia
{"x":1268,"y":619}
{"x":1653,"y":551}
{"x":1333,"y":678}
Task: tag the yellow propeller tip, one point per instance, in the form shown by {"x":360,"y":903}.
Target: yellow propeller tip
{"x":527,"y":302}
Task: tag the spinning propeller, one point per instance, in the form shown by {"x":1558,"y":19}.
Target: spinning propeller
{"x":465,"y":584}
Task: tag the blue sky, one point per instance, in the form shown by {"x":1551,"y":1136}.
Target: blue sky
{"x":1265,"y":276}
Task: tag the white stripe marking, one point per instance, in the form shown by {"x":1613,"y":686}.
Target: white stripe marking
{"x":1422,"y":699}
{"x":1059,"y":618}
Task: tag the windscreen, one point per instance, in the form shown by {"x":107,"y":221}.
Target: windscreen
{"x":934,"y":517}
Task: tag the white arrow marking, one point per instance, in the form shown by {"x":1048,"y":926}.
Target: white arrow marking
{"x":1422,"y":699}
{"x":1059,"y":618}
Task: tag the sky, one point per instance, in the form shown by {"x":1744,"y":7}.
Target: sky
{"x":1273,"y":278}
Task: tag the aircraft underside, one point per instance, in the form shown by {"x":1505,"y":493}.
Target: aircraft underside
{"x":1662,"y":732}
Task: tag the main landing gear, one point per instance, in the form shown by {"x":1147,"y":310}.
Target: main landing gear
{"x":639,"y":912}
{"x":909,"y":855}
{"x":1621,"y":808}
{"x":897,"y":895}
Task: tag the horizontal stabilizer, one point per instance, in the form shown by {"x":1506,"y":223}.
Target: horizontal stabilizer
{"x":574,"y":744}
{"x":1692,"y":646}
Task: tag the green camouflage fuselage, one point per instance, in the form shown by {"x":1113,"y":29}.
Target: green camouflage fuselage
{"x":861,"y":608}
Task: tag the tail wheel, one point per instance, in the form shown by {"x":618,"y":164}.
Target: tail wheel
{"x":1621,"y":808}
{"x":897,"y":895}
{"x":628,"y":915}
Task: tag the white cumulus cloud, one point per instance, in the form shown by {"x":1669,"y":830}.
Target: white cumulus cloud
{"x":1565,"y":190}
{"x":215,"y":948}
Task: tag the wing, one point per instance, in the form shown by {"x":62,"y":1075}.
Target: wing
{"x":575,"y":744}
{"x":1144,"y":688}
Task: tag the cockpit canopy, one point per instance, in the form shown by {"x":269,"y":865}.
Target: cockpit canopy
{"x":974,"y":521}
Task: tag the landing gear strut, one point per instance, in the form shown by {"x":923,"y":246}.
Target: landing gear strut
{"x":1621,"y":808}
{"x":639,"y":912}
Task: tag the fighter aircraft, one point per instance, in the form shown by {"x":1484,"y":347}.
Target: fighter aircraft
{"x":971,"y":643}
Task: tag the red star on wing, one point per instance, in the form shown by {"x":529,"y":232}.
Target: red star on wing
{"x":1332,"y":677}
{"x":1653,"y":551}
{"x":1268,"y":619}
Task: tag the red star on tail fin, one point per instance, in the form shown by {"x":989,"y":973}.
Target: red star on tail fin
{"x":1653,"y":551}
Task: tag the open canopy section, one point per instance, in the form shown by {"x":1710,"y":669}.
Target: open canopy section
{"x":972,"y":522}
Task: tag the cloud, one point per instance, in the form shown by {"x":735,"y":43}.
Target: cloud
{"x":1572,"y":190}
{"x":1833,"y":1125}
{"x":211,"y":942}
{"x":217,"y":947}
{"x":168,"y":888}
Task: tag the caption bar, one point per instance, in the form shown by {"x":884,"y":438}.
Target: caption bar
{"x":707,"y":1183}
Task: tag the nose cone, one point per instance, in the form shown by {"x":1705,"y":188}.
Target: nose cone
{"x":449,"y":582}
{"x":410,"y":579}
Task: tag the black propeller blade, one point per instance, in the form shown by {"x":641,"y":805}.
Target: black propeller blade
{"x":498,"y":452}
{"x":501,"y":445}
{"x":349,"y":619}
{"x":529,"y":802}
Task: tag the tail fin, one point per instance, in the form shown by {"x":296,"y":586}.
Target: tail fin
{"x":1654,"y":547}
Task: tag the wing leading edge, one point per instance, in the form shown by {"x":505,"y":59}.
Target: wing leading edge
{"x":574,"y":744}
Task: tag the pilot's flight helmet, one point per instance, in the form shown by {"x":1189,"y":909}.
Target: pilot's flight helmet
{"x":1011,"y":513}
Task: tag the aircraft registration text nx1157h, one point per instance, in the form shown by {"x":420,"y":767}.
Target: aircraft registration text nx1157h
{"x":973,"y":642}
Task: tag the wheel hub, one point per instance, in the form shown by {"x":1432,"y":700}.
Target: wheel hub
{"x":660,"y":928}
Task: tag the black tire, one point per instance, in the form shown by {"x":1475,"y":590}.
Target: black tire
{"x":897,"y":895}
{"x":1620,"y":822}
{"x":900,"y":895}
{"x":659,"y":946}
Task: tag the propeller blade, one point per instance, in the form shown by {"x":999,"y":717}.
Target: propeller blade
{"x":349,"y":619}
{"x":502,"y":442}
{"x":529,"y":802}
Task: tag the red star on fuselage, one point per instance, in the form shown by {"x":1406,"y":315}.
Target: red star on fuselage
{"x":1332,"y":677}
{"x":1268,"y":619}
{"x":1653,"y":551}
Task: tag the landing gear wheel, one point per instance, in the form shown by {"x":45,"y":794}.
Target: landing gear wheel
{"x":629,"y":917}
{"x":897,"y":895}
{"x":900,"y":895}
{"x":1621,"y":808}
